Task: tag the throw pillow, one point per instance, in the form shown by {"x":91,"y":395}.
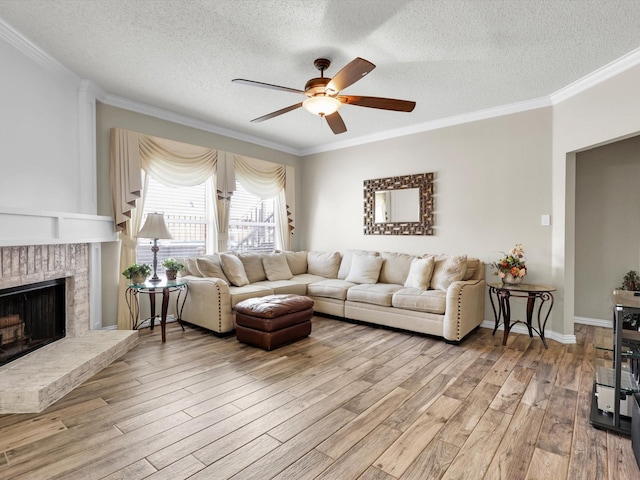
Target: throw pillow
{"x":276,"y":267}
{"x":233,"y":269}
{"x":420,"y":273}
{"x":472,"y":265}
{"x":297,"y":262}
{"x":209,"y":266}
{"x":448,"y":270}
{"x":345,"y":263}
{"x":395,"y":268}
{"x":364,"y":269}
{"x":191,"y":267}
{"x":252,"y":263}
{"x":324,"y":264}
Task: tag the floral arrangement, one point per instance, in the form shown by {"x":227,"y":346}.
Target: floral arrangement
{"x":512,"y":262}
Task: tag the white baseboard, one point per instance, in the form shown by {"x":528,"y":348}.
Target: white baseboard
{"x":521,"y":328}
{"x":596,"y":322}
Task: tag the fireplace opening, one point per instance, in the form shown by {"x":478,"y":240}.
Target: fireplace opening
{"x":31,"y":316}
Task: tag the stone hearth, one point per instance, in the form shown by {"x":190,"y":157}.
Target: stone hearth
{"x":33,"y":382}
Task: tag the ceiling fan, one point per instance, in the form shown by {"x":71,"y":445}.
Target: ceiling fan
{"x":324,"y":97}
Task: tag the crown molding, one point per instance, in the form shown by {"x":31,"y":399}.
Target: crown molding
{"x":435,"y":124}
{"x":31,"y":50}
{"x":630,"y":60}
{"x":187,"y":121}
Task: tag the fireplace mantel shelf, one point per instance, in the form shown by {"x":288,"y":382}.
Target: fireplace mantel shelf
{"x":30,"y":227}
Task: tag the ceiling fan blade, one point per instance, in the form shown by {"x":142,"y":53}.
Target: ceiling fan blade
{"x":266,"y":85}
{"x":336,"y":123}
{"x":276,"y":113}
{"x":350,"y":74}
{"x":379,"y":102}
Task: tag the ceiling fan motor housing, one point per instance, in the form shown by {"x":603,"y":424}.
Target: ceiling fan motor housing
{"x":316,"y":86}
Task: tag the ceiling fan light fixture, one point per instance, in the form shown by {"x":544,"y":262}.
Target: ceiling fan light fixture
{"x":321,"y":105}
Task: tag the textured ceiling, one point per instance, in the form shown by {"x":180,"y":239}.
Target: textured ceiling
{"x":451,"y":57}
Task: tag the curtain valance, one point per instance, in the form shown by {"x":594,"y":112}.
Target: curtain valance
{"x":124,"y":173}
{"x":169,"y":162}
{"x":260,"y":178}
{"x":175,"y":163}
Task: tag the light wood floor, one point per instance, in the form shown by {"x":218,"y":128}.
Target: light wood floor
{"x":349,"y":402}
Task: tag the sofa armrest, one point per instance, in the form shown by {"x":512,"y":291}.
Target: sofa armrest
{"x":464,"y":309}
{"x":208,"y":304}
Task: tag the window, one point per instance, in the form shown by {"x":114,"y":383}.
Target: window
{"x":252,"y":223}
{"x":252,"y":226}
{"x":185,"y":212}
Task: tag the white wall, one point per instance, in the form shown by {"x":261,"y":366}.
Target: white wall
{"x":607,"y":224}
{"x":38,"y":133}
{"x":492,"y":184}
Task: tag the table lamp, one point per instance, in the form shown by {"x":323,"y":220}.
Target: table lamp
{"x":156,"y":228}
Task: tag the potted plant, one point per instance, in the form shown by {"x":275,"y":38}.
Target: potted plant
{"x":137,"y":273}
{"x":172,"y":267}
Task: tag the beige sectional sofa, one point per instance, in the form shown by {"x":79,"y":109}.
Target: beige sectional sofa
{"x":437,"y":295}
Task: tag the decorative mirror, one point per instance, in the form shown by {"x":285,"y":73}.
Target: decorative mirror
{"x":399,"y":205}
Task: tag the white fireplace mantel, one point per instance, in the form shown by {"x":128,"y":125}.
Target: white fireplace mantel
{"x":28,"y":227}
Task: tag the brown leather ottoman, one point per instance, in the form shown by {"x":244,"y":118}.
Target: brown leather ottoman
{"x":272,"y":321}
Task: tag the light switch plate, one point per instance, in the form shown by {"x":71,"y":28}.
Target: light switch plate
{"x":545,"y":220}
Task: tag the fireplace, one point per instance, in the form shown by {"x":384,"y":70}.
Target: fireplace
{"x":31,"y":316}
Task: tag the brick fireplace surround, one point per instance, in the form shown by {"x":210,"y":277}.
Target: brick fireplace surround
{"x":31,"y":383}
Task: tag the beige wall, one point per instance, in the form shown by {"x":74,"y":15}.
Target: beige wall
{"x":108,"y":117}
{"x":493,"y":180}
{"x":492,"y":184}
{"x":607,"y":224}
{"x":602,"y":114}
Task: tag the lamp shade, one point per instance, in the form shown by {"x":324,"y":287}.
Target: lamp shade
{"x":321,"y":105}
{"x":155,"y":227}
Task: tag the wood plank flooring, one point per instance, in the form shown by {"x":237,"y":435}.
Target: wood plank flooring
{"x":349,"y":402}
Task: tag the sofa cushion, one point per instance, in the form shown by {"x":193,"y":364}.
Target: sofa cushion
{"x":395,"y":268}
{"x":210,"y":266}
{"x":283,"y":286}
{"x":233,"y":269}
{"x":448,"y":269}
{"x":297,"y":262}
{"x":325,"y":264}
{"x":239,"y":294}
{"x":472,"y":265}
{"x":306,"y":278}
{"x":252,"y":263}
{"x":430,"y":301}
{"x":420,"y":273}
{"x":330,"y":288}
{"x":364,"y":269}
{"x":347,"y":257}
{"x":276,"y":267}
{"x":377,"y":294}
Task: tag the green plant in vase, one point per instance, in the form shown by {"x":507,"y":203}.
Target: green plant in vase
{"x":137,"y":272}
{"x":172,"y":267}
